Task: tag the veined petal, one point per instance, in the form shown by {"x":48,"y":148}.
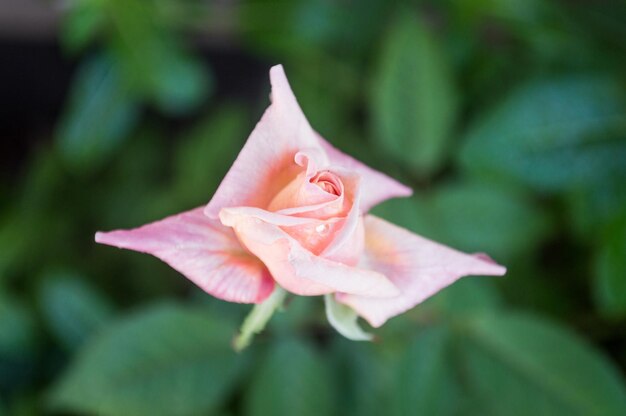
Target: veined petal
{"x":295,"y":268}
{"x":417,"y":266}
{"x":266,"y":163}
{"x":203,"y":250}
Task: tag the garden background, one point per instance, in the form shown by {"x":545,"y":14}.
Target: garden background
{"x":507,"y":117}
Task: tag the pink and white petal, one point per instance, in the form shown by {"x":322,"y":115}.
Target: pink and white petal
{"x":204,"y":251}
{"x":266,"y":163}
{"x":347,"y":244}
{"x":297,"y":269}
{"x":377,"y":187}
{"x":417,"y":266}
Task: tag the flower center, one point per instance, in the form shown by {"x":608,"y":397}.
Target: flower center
{"x":328,"y":182}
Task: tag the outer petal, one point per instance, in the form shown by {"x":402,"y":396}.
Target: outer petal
{"x":203,"y":250}
{"x":295,"y":268}
{"x":417,"y":266}
{"x":377,"y":187}
{"x":266,"y":163}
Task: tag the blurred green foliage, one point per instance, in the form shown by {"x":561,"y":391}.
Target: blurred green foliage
{"x":508,"y":118}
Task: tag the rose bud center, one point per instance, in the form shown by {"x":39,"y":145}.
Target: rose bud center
{"x":328,"y":182}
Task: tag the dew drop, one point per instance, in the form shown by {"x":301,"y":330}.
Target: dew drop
{"x":322,"y":228}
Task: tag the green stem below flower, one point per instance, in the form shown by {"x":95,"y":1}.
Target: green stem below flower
{"x":257,"y":318}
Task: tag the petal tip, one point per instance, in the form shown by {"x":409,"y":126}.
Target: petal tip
{"x":405,"y":191}
{"x":495,"y":269}
{"x":277,"y":70}
{"x":100,"y":237}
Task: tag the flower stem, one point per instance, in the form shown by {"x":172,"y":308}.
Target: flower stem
{"x":258,"y":318}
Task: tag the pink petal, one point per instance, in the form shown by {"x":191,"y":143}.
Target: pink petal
{"x":418,"y":267}
{"x":203,"y":250}
{"x":301,"y":197}
{"x":293,"y":267}
{"x":377,"y":187}
{"x":266,"y":163}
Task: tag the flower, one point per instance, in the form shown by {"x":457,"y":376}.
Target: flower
{"x":292,"y":211}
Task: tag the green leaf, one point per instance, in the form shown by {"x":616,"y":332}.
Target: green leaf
{"x":344,"y":320}
{"x":166,"y":360}
{"x":595,"y":207}
{"x":521,"y":365}
{"x":292,"y":28}
{"x":292,"y":380}
{"x":463,"y":297}
{"x":552,"y":134}
{"x":19,"y":337}
{"x":413,"y":97}
{"x":610,"y":271}
{"x":81,"y":24}
{"x":205,"y":153}
{"x":364,"y":377}
{"x":479,"y":218}
{"x":473,"y":217}
{"x":18,"y":334}
{"x":72,"y":308}
{"x":425,"y":381}
{"x":98,"y":117}
{"x":154,"y":59}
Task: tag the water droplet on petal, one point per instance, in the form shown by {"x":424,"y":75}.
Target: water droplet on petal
{"x":322,"y":228}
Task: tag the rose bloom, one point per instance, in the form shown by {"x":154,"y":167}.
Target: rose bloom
{"x":292,"y":211}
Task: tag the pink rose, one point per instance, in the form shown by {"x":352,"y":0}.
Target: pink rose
{"x":292,"y":211}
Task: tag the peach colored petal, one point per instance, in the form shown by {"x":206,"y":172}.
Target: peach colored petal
{"x":301,"y":195}
{"x":266,"y":163}
{"x":377,"y":187}
{"x":417,"y":266}
{"x":295,"y":268}
{"x":203,"y":250}
{"x":347,"y":244}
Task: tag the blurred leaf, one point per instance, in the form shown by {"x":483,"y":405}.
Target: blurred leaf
{"x":297,"y":30}
{"x":522,"y":365}
{"x":98,"y":117}
{"x":286,"y":28}
{"x":497,"y":221}
{"x":205,"y":153}
{"x":605,"y":20}
{"x":18,"y":328}
{"x":344,"y":320}
{"x":364,"y":377}
{"x":594,"y":207}
{"x":298,"y":313}
{"x":72,"y":308}
{"x":552,"y":134}
{"x":425,"y":382}
{"x":610,"y":271}
{"x":464,"y":296}
{"x":153,"y":59}
{"x":413,"y":98}
{"x":28,"y":224}
{"x":292,"y":380}
{"x":411,"y":213}
{"x":135,"y":179}
{"x":18,"y":344}
{"x":166,"y":360}
{"x":327,"y":90}
{"x":473,"y":217}
{"x":509,"y":10}
{"x":81,"y":24}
